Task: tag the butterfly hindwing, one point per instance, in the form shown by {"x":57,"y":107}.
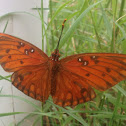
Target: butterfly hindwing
{"x":33,"y":81}
{"x":71,"y":89}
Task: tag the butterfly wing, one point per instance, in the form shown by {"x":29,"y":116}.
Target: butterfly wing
{"x":16,"y":53}
{"x":101,"y":70}
{"x":33,"y":81}
{"x":71,"y":89}
{"x":81,"y":72}
{"x":29,"y":64}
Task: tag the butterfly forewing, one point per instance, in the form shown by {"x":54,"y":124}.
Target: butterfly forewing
{"x":100,"y":70}
{"x":16,"y":53}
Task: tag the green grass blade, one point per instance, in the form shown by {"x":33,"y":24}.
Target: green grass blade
{"x":107,"y":23}
{"x":76,"y":23}
{"x":58,"y":11}
{"x":79,"y":119}
{"x":5,"y":78}
{"x":11,"y":113}
{"x":115,"y":109}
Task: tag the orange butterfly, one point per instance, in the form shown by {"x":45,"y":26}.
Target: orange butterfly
{"x":69,"y":81}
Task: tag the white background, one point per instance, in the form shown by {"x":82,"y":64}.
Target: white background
{"x":28,"y":28}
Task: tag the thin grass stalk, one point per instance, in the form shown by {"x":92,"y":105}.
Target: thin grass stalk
{"x":51,"y":23}
{"x":120,"y":14}
{"x":114,"y":10}
{"x":112,"y":121}
{"x":42,"y":25}
{"x":5,"y":26}
{"x":95,"y":29}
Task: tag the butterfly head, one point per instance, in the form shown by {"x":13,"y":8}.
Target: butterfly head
{"x":55,"y":55}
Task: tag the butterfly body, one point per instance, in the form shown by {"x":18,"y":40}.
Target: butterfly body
{"x":70,"y":81}
{"x":53,"y":75}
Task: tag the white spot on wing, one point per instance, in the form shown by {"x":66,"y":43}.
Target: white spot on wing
{"x":26,"y":52}
{"x":85,"y":63}
{"x":32,"y":50}
{"x":21,"y":43}
{"x":79,"y":59}
{"x":93,"y":57}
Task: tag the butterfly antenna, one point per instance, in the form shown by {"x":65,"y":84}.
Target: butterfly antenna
{"x":60,"y":34}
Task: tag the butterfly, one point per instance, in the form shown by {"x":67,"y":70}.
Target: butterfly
{"x":70,"y":81}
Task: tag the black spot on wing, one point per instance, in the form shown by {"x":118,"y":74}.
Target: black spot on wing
{"x":108,"y":70}
{"x":21,"y":62}
{"x":9,"y":57}
{"x":96,"y":61}
{"x":87,"y":74}
{"x":18,"y":47}
{"x":8,"y":50}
